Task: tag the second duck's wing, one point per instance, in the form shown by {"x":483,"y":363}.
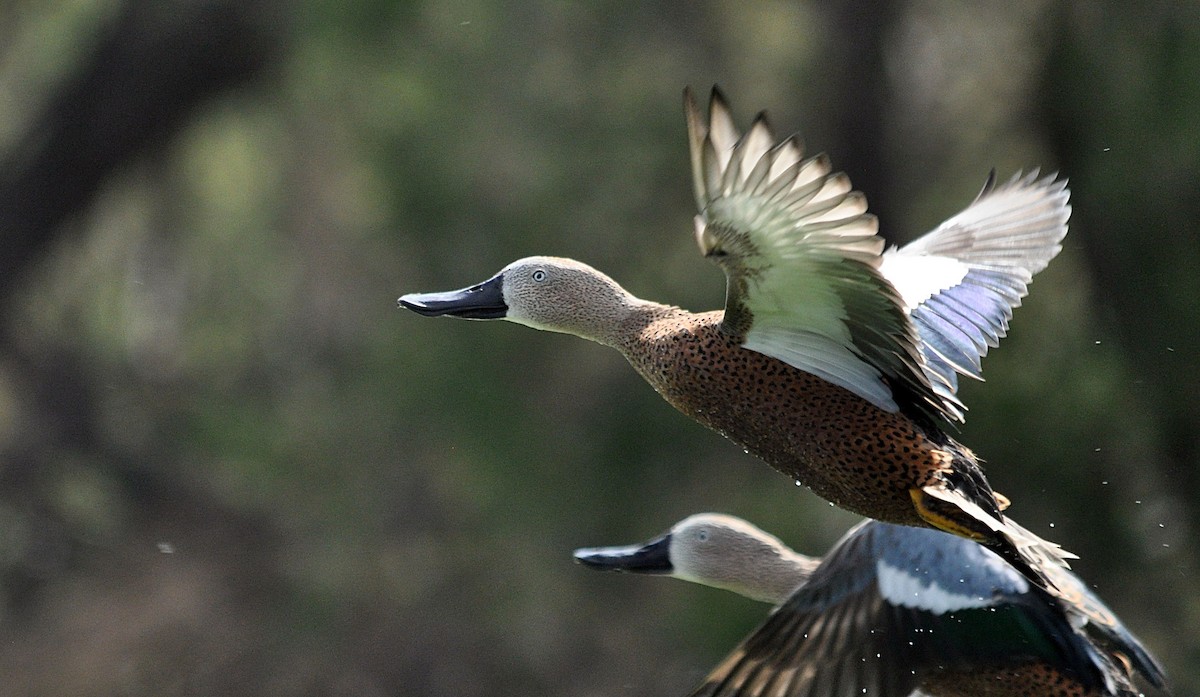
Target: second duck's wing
{"x":1104,"y":628}
{"x":801,"y":257}
{"x":961,"y":281}
{"x":830,"y":639}
{"x":888,"y":606}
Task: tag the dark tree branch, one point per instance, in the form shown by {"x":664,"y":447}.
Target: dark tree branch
{"x":158,"y":63}
{"x":859,"y":101}
{"x":1137,"y":210}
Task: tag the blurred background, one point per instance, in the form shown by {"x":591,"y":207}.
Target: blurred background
{"x":229,"y":465}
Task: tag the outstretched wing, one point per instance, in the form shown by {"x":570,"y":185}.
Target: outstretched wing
{"x":831,"y":638}
{"x":889,"y":606}
{"x":961,"y":281}
{"x":801,"y":257}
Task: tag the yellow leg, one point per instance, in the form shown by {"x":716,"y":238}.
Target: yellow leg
{"x":946,"y":516}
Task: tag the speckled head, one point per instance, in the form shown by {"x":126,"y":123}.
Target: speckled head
{"x":549,"y":293}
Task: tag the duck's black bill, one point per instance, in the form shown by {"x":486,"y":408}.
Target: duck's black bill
{"x":481,"y":301}
{"x":650,"y":558}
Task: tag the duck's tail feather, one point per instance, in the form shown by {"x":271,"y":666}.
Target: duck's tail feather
{"x":1031,"y":554}
{"x":950,"y":511}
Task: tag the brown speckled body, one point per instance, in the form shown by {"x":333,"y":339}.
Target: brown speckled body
{"x":1029,"y":680}
{"x":844,"y":448}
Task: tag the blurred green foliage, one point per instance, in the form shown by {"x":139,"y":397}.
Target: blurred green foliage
{"x":232,"y":467}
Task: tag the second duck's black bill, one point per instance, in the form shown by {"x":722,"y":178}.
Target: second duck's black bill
{"x":481,"y":301}
{"x":650,"y":558}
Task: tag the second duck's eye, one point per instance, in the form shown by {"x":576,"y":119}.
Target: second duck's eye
{"x":539,"y":276}
{"x":702,"y":535}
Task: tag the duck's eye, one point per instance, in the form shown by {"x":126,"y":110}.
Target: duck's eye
{"x":539,"y":276}
{"x":702,"y":535}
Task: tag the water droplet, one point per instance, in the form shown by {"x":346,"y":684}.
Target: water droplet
{"x":166,"y":548}
{"x":1051,"y":524}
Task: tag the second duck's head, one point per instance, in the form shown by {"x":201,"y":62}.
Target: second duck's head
{"x":712,"y":549}
{"x":550,"y":293}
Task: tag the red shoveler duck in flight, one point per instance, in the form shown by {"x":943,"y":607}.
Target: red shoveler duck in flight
{"x":891,"y":610}
{"x":835,"y":361}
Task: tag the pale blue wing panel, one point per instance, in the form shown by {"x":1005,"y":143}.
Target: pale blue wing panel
{"x":961,"y":282}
